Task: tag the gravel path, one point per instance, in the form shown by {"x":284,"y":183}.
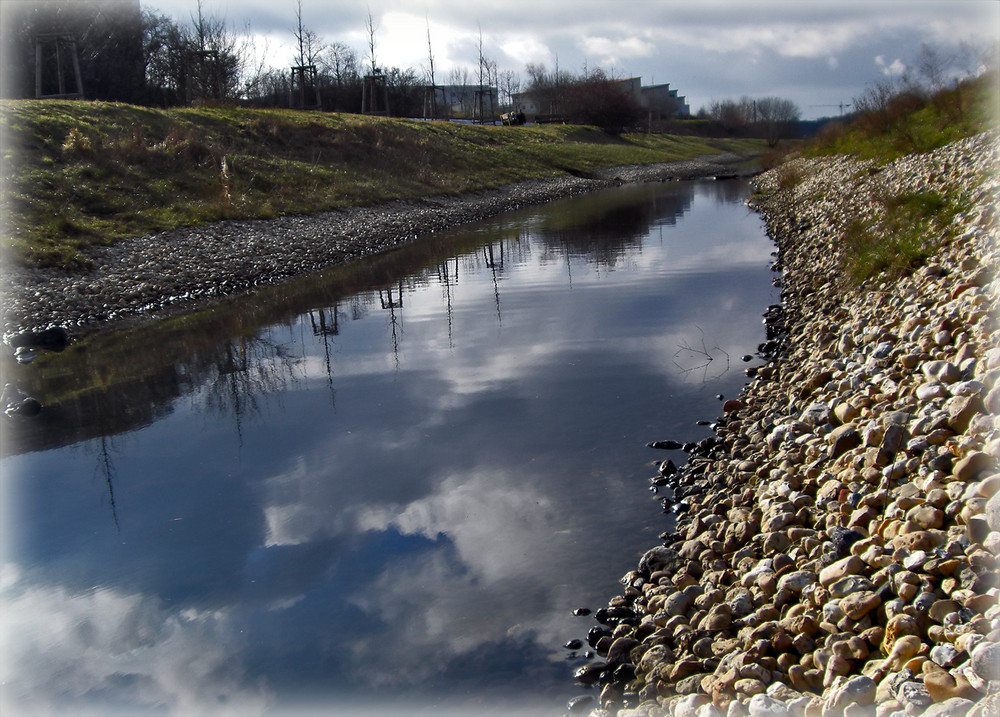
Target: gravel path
{"x":153,"y":276}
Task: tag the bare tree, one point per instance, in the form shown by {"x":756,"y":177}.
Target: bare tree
{"x":218,"y":58}
{"x":509,"y":85}
{"x":256,"y":73}
{"x":487,"y":71}
{"x":371,"y":28}
{"x":430,"y":108}
{"x":537,"y":76}
{"x":873,"y":105}
{"x":459,"y":78}
{"x":304,"y":73}
{"x":430,"y":54}
{"x":340,"y":62}
{"x":309,"y":43}
{"x":777,"y":118}
{"x":734,"y":115}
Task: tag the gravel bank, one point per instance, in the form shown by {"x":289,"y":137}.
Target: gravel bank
{"x":153,"y":276}
{"x":837,"y":553}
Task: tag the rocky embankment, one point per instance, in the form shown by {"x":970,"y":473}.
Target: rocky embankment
{"x":839,"y":549}
{"x":150,"y":277}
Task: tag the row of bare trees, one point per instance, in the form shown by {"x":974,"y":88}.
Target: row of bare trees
{"x":592,"y":97}
{"x":772,"y":118}
{"x":149,"y":58}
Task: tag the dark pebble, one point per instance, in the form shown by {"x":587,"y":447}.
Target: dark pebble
{"x":843,"y":539}
{"x":590,"y":673}
{"x":596,"y":633}
{"x":667,"y":468}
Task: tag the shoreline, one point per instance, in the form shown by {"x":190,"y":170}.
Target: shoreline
{"x":148,"y":278}
{"x":837,"y":548}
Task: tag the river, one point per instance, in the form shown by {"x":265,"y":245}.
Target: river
{"x":380,"y":490}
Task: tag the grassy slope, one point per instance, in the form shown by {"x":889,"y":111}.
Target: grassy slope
{"x":913,"y":226}
{"x":909,"y":125}
{"x":79,"y":173}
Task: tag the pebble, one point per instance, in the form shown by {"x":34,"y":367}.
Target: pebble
{"x":849,"y":515}
{"x":986,"y":660}
{"x":763,"y":706}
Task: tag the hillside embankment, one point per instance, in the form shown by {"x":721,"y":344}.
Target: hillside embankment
{"x":837,"y":548}
{"x":154,"y":276}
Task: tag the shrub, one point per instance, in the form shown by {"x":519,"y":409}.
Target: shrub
{"x":77,"y":143}
{"x":601,"y":103}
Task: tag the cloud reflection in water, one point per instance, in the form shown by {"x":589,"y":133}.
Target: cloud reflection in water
{"x":418,"y":498}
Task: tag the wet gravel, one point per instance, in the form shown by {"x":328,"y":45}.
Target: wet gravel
{"x":154,"y":276}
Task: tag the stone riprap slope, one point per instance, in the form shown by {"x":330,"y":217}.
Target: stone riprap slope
{"x":838,"y":552}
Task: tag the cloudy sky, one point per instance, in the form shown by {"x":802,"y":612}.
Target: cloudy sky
{"x":817,"y":53}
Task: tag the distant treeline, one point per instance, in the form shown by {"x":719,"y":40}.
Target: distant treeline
{"x":142,"y":57}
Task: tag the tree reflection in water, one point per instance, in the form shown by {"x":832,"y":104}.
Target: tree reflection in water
{"x":246,"y":369}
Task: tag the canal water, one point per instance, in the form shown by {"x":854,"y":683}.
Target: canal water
{"x":380,"y":490}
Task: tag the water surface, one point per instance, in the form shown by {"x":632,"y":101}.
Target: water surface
{"x":380,"y":490}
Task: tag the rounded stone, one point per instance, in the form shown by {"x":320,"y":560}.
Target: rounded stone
{"x":851,"y":565}
{"x":926,"y":516}
{"x":943,"y":371}
{"x":797,"y":581}
{"x":970,"y":466}
{"x":950,"y":708}
{"x":858,"y":690}
{"x":992,"y":512}
{"x":945,"y":656}
{"x":858,"y":604}
{"x":850,"y":584}
{"x":762,"y":705}
{"x":986,"y":660}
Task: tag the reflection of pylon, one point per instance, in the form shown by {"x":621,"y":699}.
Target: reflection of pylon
{"x":374,"y":95}
{"x":50,"y":59}
{"x":387,"y":300}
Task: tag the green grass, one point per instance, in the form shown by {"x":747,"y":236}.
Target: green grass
{"x":77,"y":174}
{"x":910,"y":124}
{"x":913,"y":226}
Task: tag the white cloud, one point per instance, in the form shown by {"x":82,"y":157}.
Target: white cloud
{"x":501,"y":529}
{"x":893,"y":69}
{"x":606,"y":50}
{"x":522,"y":48}
{"x":495,"y":522}
{"x":787,"y":40}
{"x":63,"y":649}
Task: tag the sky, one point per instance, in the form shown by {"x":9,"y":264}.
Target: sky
{"x":817,"y":53}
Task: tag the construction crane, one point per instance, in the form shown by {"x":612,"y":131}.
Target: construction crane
{"x":841,"y":105}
